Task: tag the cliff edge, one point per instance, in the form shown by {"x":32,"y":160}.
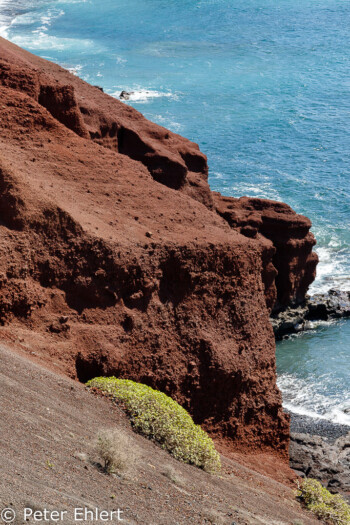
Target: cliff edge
{"x":116,"y":258}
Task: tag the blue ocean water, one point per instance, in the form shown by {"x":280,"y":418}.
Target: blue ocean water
{"x":264,"y":88}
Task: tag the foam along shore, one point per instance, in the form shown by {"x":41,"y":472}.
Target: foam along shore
{"x":8,"y":11}
{"x":142,"y":95}
{"x":5,"y":17}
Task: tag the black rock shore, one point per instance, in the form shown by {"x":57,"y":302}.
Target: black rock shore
{"x":334,"y":304}
{"x":320,"y":449}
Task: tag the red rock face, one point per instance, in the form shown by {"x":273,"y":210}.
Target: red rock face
{"x":113,"y":259}
{"x":289,"y":264}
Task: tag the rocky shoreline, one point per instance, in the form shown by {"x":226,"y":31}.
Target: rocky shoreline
{"x":320,"y":427}
{"x":320,"y":307}
{"x":320,"y":449}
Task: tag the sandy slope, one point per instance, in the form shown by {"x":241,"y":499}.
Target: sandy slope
{"x":47,"y":419}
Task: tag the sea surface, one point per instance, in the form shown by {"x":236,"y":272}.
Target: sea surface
{"x":264,"y":88}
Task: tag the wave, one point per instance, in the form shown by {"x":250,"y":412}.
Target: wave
{"x":75,"y":70}
{"x":336,"y":415}
{"x":264,"y":190}
{"x":306,"y":398}
{"x":27,"y":24}
{"x":43,"y":41}
{"x":332,"y":269}
{"x":6,"y":17}
{"x":144,"y":95}
{"x":312,"y":327}
{"x":10,"y":10}
{"x":168,"y":123}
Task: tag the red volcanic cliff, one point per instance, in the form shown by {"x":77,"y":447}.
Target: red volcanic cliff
{"x":289,"y":264}
{"x":116,"y":258}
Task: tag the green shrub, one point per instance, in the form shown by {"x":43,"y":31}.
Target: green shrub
{"x":160,"y":418}
{"x":329,"y":507}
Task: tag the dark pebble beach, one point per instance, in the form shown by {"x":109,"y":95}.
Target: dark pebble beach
{"x":319,"y":427}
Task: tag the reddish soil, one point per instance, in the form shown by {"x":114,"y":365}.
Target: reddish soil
{"x":48,"y":424}
{"x":114,"y":260}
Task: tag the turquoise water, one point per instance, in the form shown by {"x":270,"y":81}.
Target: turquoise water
{"x":314,"y":372}
{"x":264,"y":89}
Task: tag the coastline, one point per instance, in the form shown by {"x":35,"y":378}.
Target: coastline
{"x":317,"y":427}
{"x":8,"y":11}
{"x":316,"y":443}
{"x":299,"y":423}
{"x":320,"y":449}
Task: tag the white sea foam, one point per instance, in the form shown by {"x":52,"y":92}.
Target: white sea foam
{"x":37,"y":25}
{"x":42,"y":41}
{"x":305,"y":397}
{"x":264,"y":190}
{"x":335,"y":415}
{"x":21,"y":17}
{"x":143,"y":95}
{"x":3,"y":28}
{"x":75,"y":1}
{"x":332,"y":269}
{"x":167,"y":122}
{"x":217,"y":175}
{"x":310,"y":327}
{"x":5,"y":17}
{"x":75,"y":70}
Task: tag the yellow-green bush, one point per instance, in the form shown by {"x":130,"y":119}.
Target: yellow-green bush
{"x":329,"y":507}
{"x":160,"y":418}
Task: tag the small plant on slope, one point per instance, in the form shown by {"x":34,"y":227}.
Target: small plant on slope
{"x":114,"y":450}
{"x":162,"y":419}
{"x":329,"y":507}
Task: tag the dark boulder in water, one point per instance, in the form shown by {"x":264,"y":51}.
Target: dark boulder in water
{"x":333,"y":305}
{"x":320,"y":307}
{"x":125,"y":95}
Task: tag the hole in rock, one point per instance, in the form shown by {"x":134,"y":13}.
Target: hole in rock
{"x":88,"y":368}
